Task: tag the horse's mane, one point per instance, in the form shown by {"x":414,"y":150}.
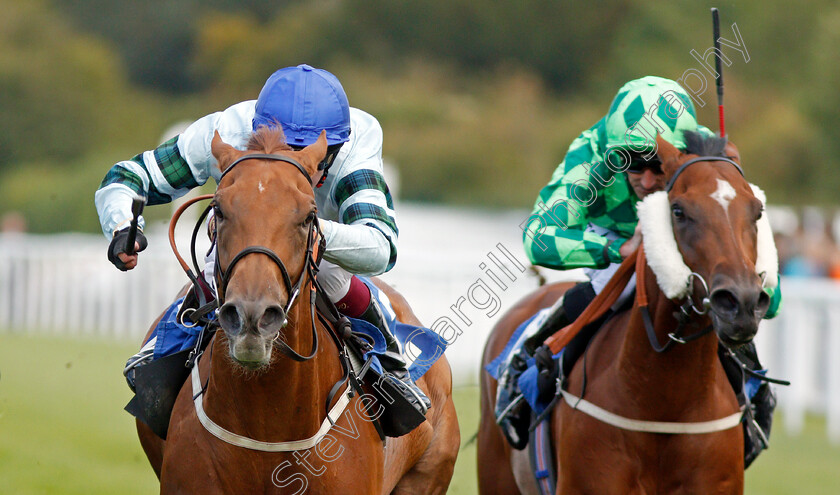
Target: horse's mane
{"x":700,"y":144}
{"x":268,"y":140}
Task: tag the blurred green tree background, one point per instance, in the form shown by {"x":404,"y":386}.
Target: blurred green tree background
{"x":478,"y":100}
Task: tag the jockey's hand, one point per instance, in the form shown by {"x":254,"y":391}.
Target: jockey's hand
{"x":632,"y":243}
{"x":116,"y":250}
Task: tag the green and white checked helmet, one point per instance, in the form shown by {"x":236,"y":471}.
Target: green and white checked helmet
{"x":647,"y":106}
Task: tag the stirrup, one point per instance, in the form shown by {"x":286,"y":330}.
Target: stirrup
{"x":405,"y":408}
{"x":144,"y":356}
{"x":415,"y":396}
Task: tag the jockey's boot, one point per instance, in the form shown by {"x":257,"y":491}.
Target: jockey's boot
{"x":762,"y":405}
{"x":393,"y":363}
{"x":144,"y":356}
{"x":566,"y":310}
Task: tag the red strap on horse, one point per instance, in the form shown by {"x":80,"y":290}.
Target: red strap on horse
{"x":641,"y":290}
{"x":599,"y":306}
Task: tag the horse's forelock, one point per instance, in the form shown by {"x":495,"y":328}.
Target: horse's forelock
{"x":268,"y":140}
{"x":703,"y":145}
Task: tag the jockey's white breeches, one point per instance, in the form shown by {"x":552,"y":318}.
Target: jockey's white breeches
{"x":600,"y":277}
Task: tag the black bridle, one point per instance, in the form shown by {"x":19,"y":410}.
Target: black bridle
{"x":328,"y":314}
{"x":701,"y":159}
{"x":684,"y":315}
{"x":309,"y":269}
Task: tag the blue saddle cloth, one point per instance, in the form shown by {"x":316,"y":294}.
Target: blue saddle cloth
{"x":172,"y":335}
{"x":420,"y":346}
{"x":526,"y":382}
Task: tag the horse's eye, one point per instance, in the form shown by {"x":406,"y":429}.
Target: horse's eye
{"x":309,"y":218}
{"x":217,"y":212}
{"x":678,"y":212}
{"x":760,"y":214}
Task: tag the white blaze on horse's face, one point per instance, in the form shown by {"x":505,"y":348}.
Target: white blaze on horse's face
{"x":724,"y":194}
{"x":260,"y":186}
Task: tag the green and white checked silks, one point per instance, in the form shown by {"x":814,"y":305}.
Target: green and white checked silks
{"x":590,"y":186}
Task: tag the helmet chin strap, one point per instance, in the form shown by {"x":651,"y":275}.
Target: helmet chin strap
{"x":663,"y":256}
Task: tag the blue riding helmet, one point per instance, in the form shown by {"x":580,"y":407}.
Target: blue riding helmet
{"x":305,"y":101}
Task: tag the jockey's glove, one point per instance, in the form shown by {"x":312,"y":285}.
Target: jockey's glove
{"x":117,"y":246}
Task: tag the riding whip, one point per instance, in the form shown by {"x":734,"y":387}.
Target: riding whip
{"x":718,"y":68}
{"x":137,"y":205}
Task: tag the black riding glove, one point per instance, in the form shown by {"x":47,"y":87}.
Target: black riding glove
{"x":117,"y":246}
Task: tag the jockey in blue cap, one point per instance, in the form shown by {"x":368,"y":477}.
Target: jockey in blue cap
{"x":354,"y":204}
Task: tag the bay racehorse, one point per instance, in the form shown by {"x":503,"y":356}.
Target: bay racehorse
{"x":273,"y":405}
{"x":719,"y":257}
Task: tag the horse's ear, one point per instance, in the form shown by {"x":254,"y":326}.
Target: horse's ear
{"x":668,"y":154}
{"x":731,"y":152}
{"x":314,"y":154}
{"x":222,"y":151}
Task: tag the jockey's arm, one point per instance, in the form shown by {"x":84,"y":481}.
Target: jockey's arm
{"x":170,"y":170}
{"x":363,"y":238}
{"x":555,"y":234}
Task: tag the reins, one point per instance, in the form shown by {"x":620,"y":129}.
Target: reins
{"x":683,"y":316}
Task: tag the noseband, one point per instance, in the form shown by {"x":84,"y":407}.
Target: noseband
{"x":310,"y":266}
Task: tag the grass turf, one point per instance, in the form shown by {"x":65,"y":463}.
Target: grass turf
{"x":62,"y":428}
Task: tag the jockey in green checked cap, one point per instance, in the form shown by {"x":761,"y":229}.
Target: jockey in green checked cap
{"x":586,"y":216}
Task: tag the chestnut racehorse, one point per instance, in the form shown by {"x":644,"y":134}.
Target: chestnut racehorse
{"x":713,"y":214}
{"x":266,"y":396}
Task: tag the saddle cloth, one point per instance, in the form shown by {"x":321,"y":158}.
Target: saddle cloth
{"x":524,"y":382}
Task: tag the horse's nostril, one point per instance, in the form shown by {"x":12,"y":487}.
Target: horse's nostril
{"x":724,"y":301}
{"x":229,"y":318}
{"x":272,"y":316}
{"x":763,"y":303}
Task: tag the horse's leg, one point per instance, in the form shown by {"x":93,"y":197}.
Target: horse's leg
{"x":495,"y":475}
{"x":152,"y":444}
{"x":423,"y":461}
{"x":438,"y":445}
{"x":495,"y":457}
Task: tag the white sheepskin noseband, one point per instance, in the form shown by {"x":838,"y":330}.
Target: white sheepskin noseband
{"x":663,"y":255}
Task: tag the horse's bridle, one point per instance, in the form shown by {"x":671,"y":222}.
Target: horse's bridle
{"x":310,"y":266}
{"x":701,"y":159}
{"x":684,"y":314}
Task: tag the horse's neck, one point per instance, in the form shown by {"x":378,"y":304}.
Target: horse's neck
{"x":684,"y":367}
{"x":286,"y":401}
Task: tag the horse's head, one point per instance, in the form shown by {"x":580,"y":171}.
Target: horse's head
{"x":265,"y":214}
{"x":724,"y":253}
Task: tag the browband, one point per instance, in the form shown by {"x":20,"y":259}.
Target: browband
{"x":263,"y":156}
{"x":700,"y":159}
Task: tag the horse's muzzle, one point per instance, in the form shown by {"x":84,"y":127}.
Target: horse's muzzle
{"x":251,"y":327}
{"x":259,"y":317}
{"x":736,"y":312}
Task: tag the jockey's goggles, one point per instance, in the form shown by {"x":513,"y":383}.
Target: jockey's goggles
{"x":634,"y":162}
{"x":332,"y":152}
